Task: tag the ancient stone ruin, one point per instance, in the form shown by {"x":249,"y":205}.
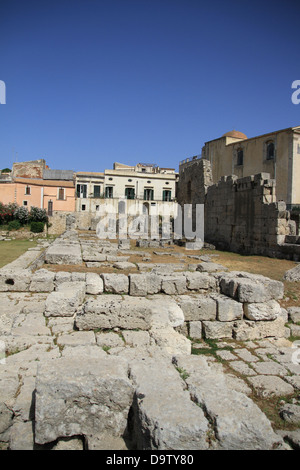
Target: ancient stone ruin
{"x":101,"y":352}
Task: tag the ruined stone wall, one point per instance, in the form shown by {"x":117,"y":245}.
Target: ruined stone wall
{"x":31,"y":169}
{"x":194,"y":179}
{"x":241,"y":214}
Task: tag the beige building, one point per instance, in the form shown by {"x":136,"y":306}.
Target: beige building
{"x":276,"y":153}
{"x":142,"y":183}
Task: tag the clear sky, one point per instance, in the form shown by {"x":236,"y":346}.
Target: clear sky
{"x":91,"y":82}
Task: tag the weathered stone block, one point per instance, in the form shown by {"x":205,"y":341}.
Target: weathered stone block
{"x":65,"y":301}
{"x":164,"y":417}
{"x":195,"y":329}
{"x":14,"y":280}
{"x":172,"y":285}
{"x":197,"y":307}
{"x":228,"y":309}
{"x":112,"y":311}
{"x":262,"y":311}
{"x":215,"y":329}
{"x":63,"y":253}
{"x":244,"y":330}
{"x":115,"y":283}
{"x":144,"y":284}
{"x":94,"y":284}
{"x":42,"y":281}
{"x":75,"y":397}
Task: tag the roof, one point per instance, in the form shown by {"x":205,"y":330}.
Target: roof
{"x":235,"y":135}
{"x":58,"y":174}
{"x":88,"y":173}
{"x":39,"y":182}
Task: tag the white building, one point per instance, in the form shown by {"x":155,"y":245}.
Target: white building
{"x":144,"y":183}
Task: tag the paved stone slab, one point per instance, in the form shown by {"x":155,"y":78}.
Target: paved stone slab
{"x":163,"y":414}
{"x":243,"y":426}
{"x":268,"y":386}
{"x":269,"y":368}
{"x":77,"y":397}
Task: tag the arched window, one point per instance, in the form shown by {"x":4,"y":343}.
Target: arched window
{"x":270,"y":150}
{"x":240,"y":157}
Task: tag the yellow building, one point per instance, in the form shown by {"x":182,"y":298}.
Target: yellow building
{"x":276,"y":153}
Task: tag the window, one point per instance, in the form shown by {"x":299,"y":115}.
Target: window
{"x":240,"y":157}
{"x":97,"y":207}
{"x":83,"y":207}
{"x":129,"y":193}
{"x":109,"y":191}
{"x":97,"y":191}
{"x":166,"y":195}
{"x":270,"y":150}
{"x":27,"y":191}
{"x":61,"y":194}
{"x":81,"y":190}
{"x":25,"y":203}
{"x":148,"y":194}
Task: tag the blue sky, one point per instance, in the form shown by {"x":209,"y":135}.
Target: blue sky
{"x":91,"y":82}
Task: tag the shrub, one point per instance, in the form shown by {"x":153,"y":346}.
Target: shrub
{"x":14,"y":225}
{"x":6,"y":213}
{"x":38,"y":215}
{"x":37,"y":227}
{"x":22,"y":215}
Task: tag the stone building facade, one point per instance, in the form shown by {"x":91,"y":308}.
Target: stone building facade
{"x":241,"y":214}
{"x":276,"y":153}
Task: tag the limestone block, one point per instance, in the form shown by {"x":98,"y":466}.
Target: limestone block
{"x":170,"y":340}
{"x":136,"y":339}
{"x":112,"y":311}
{"x":250,"y":288}
{"x":262,"y":311}
{"x":15,"y":280}
{"x":109,"y":339}
{"x":199,"y":281}
{"x":61,"y":277}
{"x":115,"y":283}
{"x":64,"y":253}
{"x":65,"y":301}
{"x":197,"y":307}
{"x":228,"y":309}
{"x":293,"y":274}
{"x":144,"y":284}
{"x":244,"y":330}
{"x":294,"y":314}
{"x":244,"y":426}
{"x":196,"y":329}
{"x":78,"y":277}
{"x":270,"y":386}
{"x":165,"y":311}
{"x":94,"y":284}
{"x":42,"y":281}
{"x":215,"y":329}
{"x":76,"y":397}
{"x":209,"y":267}
{"x":172,"y":285}
{"x":164,"y":416}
